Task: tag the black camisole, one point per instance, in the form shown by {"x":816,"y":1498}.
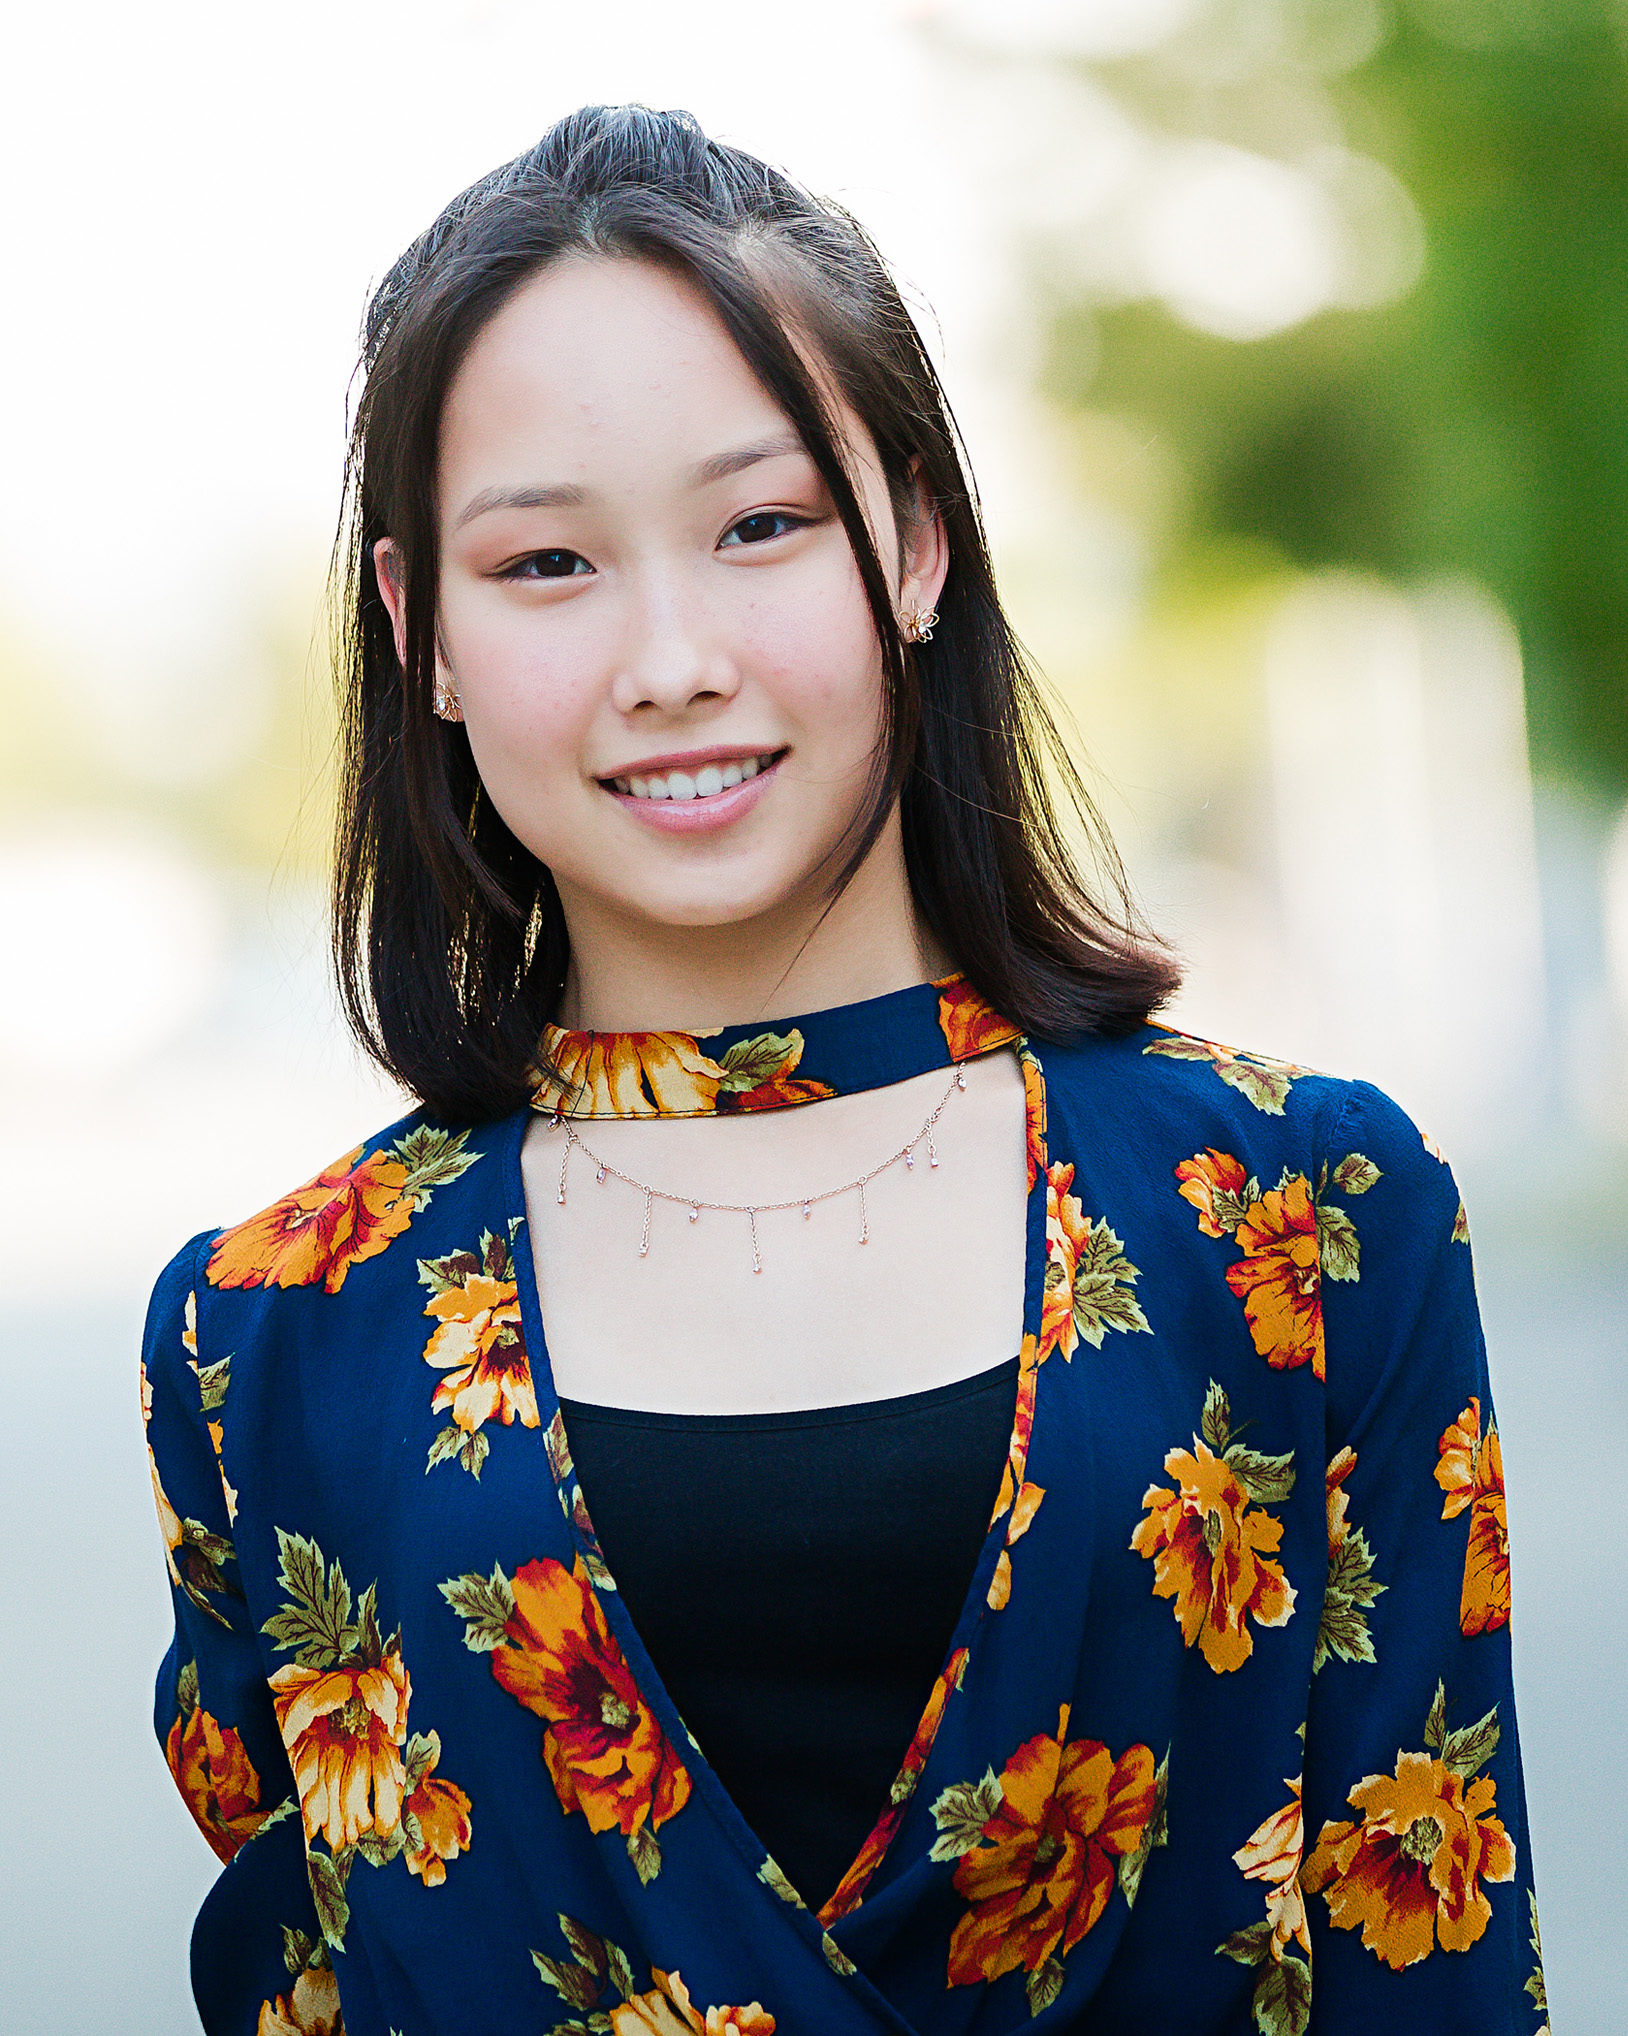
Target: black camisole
{"x":796,"y":1579}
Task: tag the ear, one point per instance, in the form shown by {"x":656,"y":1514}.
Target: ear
{"x":388,"y":565}
{"x":924,"y":557}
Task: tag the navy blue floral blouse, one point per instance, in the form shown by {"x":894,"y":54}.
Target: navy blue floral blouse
{"x":1223,"y":1738}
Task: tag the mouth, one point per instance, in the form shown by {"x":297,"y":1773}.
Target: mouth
{"x":693,"y":781}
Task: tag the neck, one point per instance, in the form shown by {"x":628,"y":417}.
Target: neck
{"x":639,"y":976}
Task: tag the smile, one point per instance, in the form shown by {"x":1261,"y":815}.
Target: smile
{"x":707,"y":782}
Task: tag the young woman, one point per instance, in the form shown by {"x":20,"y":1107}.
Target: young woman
{"x":834,"y":1477}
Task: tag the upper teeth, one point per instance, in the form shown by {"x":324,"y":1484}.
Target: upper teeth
{"x":701,"y":784}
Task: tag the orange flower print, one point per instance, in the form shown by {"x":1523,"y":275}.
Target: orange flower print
{"x":667,"y":2010}
{"x":344,"y":1728}
{"x":1214,"y":1182}
{"x":195,"y":1556}
{"x":968,"y":1024}
{"x":213,"y":1772}
{"x":625,"y":1074}
{"x":851,"y":1887}
{"x":1088,"y":1280}
{"x":350,"y":1212}
{"x":551,"y":1649}
{"x":1471,"y":1473}
{"x":478,"y":1343}
{"x":1034,"y":1113}
{"x":1017,"y":1500}
{"x":1280,"y":1280}
{"x":666,"y":1074}
{"x":1409,"y":1872}
{"x":1340,"y":1467}
{"x":309,"y":2008}
{"x":214,"y":1380}
{"x":441,"y":1811}
{"x":1292,"y":1238}
{"x":1039,"y":1849}
{"x":1211,"y":1546}
{"x":364,"y":1787}
{"x":664,"y":2008}
{"x":1351,"y":1588}
{"x":1272,"y":1854}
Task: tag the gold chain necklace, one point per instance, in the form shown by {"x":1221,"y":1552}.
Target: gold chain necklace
{"x":752,"y":1210}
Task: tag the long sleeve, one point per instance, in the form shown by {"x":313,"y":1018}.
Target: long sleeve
{"x":213,"y":1713}
{"x":1417,"y":1875}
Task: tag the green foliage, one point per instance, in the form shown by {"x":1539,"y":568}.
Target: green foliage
{"x":1477,"y":425}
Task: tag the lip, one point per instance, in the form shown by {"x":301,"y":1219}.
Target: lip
{"x":690,"y":760}
{"x":697,"y":816}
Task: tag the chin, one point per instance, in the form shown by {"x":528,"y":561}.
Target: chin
{"x":720,"y":903}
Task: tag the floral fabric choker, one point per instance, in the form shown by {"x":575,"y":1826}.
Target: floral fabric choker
{"x":774,"y":1066}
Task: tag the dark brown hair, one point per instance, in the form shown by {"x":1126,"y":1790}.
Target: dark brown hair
{"x":449,"y":940}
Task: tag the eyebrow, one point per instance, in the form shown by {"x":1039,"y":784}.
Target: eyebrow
{"x":564,"y":495}
{"x":722,"y":464}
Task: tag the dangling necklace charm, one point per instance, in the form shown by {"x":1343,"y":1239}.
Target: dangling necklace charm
{"x":752,"y":1210}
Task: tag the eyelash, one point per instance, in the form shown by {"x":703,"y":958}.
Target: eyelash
{"x":516,"y":569}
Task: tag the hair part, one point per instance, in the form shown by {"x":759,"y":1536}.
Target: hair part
{"x":449,"y":940}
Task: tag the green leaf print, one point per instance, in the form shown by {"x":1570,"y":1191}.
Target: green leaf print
{"x":328,"y":1894}
{"x":1338,"y":1251}
{"x":213,"y":1381}
{"x":1044,"y":1985}
{"x":961,"y":1813}
{"x":432,"y":1159}
{"x":485,"y":1604}
{"x":751,"y":1062}
{"x":1216,"y":1425}
{"x":1267,"y":1480}
{"x":644,"y":1852}
{"x":1356,"y":1174}
{"x":314,"y":1623}
{"x":1469,"y":1749}
{"x":1283,"y":1998}
{"x":1343,"y":1628}
{"x":1155,"y":1832}
{"x":1103,"y":1276}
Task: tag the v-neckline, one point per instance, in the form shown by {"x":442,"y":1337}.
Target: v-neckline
{"x":958,"y":1659}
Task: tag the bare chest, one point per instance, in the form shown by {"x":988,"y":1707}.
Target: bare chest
{"x":687,"y":1324}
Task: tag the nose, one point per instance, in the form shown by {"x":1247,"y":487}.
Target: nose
{"x":674,"y":656}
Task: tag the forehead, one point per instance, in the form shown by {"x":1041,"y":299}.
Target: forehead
{"x":594,"y":367}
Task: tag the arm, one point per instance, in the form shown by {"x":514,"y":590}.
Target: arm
{"x":258,"y":1964}
{"x":1417,"y":1876}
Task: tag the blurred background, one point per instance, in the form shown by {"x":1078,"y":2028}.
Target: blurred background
{"x":1287,"y":337}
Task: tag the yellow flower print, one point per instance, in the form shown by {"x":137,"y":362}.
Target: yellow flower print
{"x":1040,"y":1848}
{"x":350,"y":1212}
{"x":1213,"y":1550}
{"x":479,"y":1344}
{"x":1408,"y":1872}
{"x":1272,"y":1854}
{"x":366,"y":1790}
{"x":1088,"y":1278}
{"x":1471,"y":1473}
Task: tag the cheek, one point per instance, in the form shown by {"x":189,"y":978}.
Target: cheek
{"x":816,"y":649}
{"x":529,"y":700}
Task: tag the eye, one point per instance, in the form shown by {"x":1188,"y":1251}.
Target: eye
{"x":761,"y":525}
{"x":545,"y":565}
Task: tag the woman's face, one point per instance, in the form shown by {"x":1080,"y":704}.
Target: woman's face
{"x":649,"y":610}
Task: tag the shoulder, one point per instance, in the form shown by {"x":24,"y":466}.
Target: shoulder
{"x":1197,"y":1112}
{"x":1172,"y":1074}
{"x":323,"y":1234}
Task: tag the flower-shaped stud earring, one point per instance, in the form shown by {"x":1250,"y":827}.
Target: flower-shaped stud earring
{"x":918,"y":625}
{"x":444,"y":702}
